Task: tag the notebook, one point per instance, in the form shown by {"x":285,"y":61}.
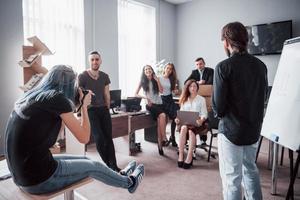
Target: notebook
{"x":187,"y":117}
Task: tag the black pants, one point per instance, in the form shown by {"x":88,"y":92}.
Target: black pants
{"x":101,"y":128}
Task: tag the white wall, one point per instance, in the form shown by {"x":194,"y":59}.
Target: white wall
{"x":101,"y":23}
{"x":199,"y":24}
{"x":11,"y":40}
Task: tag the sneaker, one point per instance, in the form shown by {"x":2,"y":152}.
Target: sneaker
{"x":129,"y":168}
{"x":136,"y":177}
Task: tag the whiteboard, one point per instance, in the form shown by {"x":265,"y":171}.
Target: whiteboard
{"x":282,"y":119}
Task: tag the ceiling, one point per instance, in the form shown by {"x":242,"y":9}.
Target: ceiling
{"x":177,"y":1}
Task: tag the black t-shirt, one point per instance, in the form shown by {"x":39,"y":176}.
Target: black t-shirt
{"x":97,"y":86}
{"x":29,"y":138}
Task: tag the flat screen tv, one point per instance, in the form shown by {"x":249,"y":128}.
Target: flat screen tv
{"x":268,"y":38}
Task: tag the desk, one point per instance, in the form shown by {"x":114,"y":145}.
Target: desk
{"x":127,"y":123}
{"x":123,"y":124}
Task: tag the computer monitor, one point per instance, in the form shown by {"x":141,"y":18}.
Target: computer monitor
{"x":132,"y":104}
{"x":115,"y":99}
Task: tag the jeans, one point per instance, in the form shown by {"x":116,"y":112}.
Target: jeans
{"x":238,"y":168}
{"x":101,"y":129}
{"x":71,"y":169}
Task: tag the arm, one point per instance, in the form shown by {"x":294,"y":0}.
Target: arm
{"x":220,"y":92}
{"x":202,"y":113}
{"x":137,"y":92}
{"x":107,"y":96}
{"x":210,"y":78}
{"x":80,"y":128}
{"x":193,"y":75}
{"x":160,"y":87}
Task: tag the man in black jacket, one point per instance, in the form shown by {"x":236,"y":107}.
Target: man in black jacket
{"x":240,"y":86}
{"x":204,"y":76}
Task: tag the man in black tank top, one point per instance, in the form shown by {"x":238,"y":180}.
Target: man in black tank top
{"x":97,"y":81}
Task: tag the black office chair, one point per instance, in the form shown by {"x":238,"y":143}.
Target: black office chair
{"x":213,"y":124}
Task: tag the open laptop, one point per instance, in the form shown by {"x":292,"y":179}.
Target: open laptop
{"x":187,"y":117}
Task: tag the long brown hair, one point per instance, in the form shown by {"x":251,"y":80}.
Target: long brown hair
{"x":186,"y":93}
{"x":145,"y":81}
{"x":173,"y":76}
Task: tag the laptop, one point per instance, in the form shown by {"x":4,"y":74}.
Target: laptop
{"x":187,"y":117}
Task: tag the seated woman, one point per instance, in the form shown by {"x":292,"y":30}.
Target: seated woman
{"x":33,"y":127}
{"x":151,"y":86}
{"x":191,"y":101}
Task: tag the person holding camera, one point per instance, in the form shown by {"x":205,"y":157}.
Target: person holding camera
{"x":33,"y":127}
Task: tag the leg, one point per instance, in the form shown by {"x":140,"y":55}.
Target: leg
{"x":108,"y":141}
{"x":230,"y":164}
{"x":97,"y":133}
{"x":251,"y":181}
{"x":162,"y":125}
{"x":192,"y":143}
{"x":172,"y":137}
{"x":67,"y":157}
{"x":182,"y":141}
{"x":71,"y":171}
{"x":161,"y":128}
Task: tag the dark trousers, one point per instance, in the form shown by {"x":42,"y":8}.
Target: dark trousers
{"x":101,"y":128}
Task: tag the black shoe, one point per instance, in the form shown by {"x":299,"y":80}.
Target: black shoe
{"x":187,"y":165}
{"x":203,"y":143}
{"x":173,"y":141}
{"x":160,"y":151}
{"x":165,"y":143}
{"x":180,"y":164}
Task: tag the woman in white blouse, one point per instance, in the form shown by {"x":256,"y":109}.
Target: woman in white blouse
{"x":151,"y":86}
{"x":191,"y":101}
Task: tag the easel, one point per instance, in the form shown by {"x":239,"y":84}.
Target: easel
{"x":293,"y":175}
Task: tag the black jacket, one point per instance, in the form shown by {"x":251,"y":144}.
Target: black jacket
{"x":208,"y":75}
{"x":240,"y":87}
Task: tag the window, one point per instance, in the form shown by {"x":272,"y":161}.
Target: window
{"x":137,"y":42}
{"x":60,"y":25}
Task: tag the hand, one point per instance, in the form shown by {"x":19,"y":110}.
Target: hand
{"x":149,"y":102}
{"x":155,"y":77}
{"x":201,"y":82}
{"x":177,"y":120}
{"x":176,"y":92}
{"x":87,"y":99}
{"x":199,"y":122}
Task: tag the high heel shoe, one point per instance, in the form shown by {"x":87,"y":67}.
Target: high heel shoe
{"x":187,"y":165}
{"x":160,"y":151}
{"x":180,"y":164}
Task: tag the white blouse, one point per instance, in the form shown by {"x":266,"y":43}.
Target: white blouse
{"x":198,"y":104}
{"x":155,"y":98}
{"x":166,"y":85}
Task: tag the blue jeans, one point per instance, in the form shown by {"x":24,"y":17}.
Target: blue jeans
{"x":237,"y":167}
{"x":71,"y":169}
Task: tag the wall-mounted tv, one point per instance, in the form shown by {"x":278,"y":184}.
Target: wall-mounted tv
{"x":268,"y":38}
